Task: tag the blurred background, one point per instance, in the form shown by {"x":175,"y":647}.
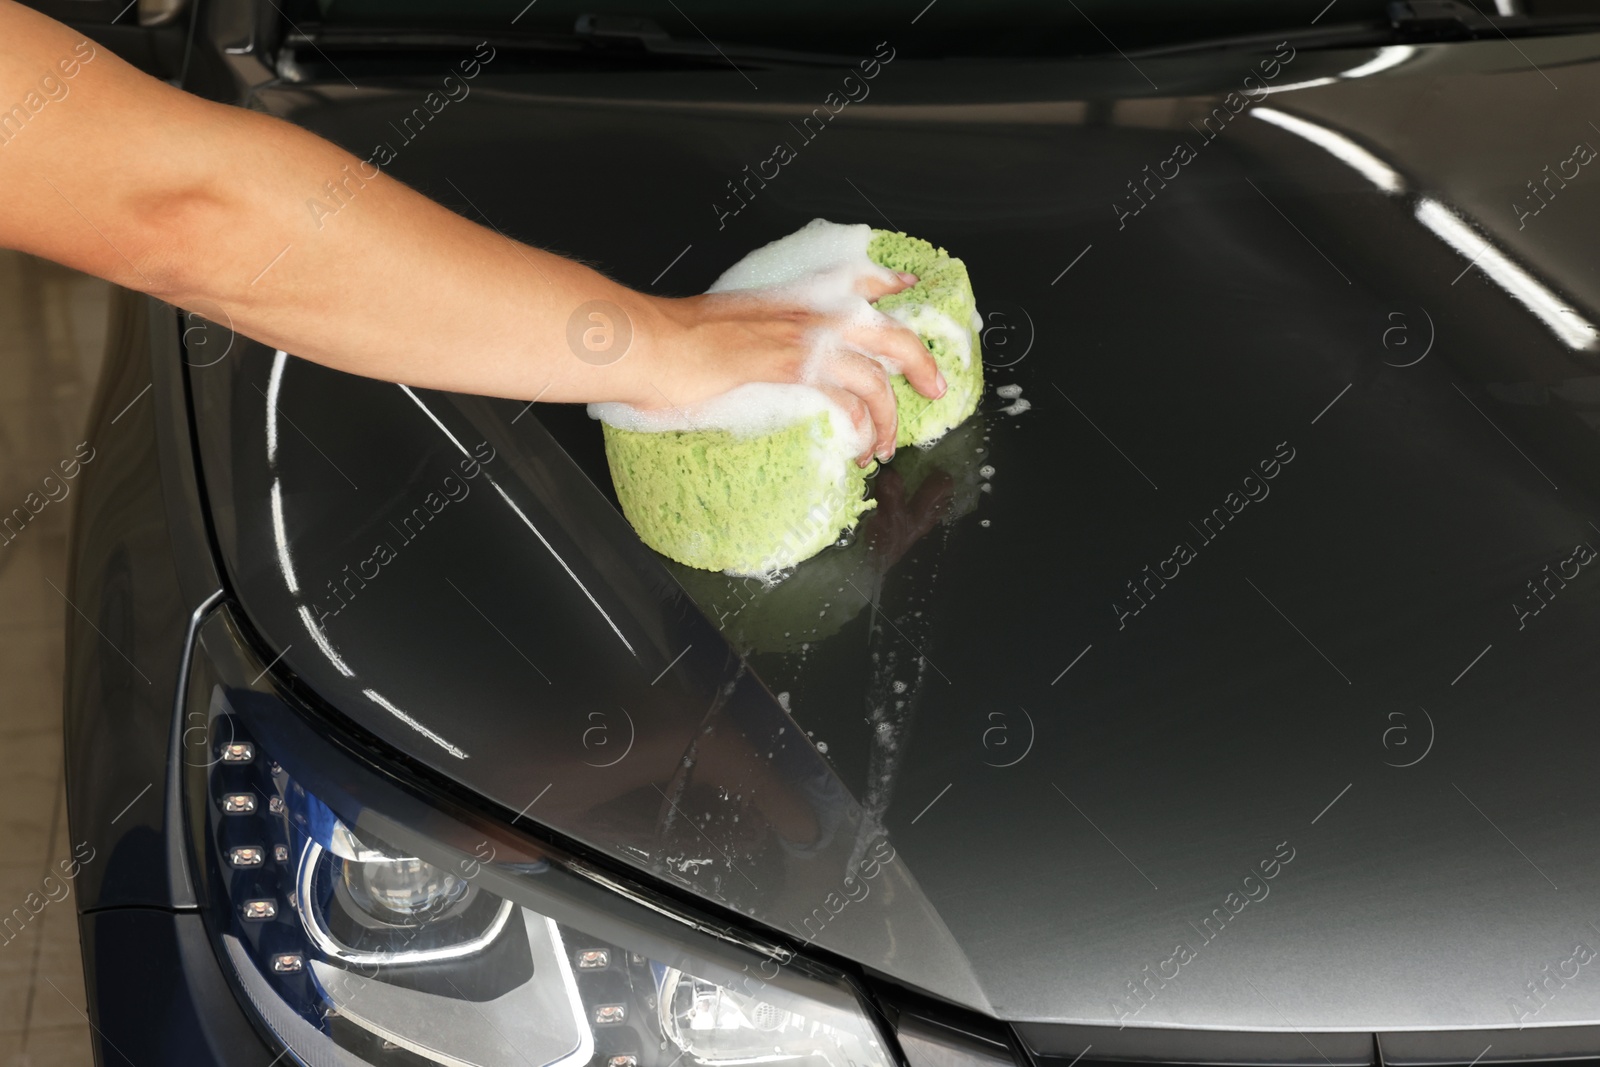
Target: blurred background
{"x":52,"y":332}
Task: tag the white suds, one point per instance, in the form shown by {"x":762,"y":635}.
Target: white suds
{"x":1013,"y":393}
{"x":931,"y":322}
{"x":749,"y":410}
{"x":817,"y":265}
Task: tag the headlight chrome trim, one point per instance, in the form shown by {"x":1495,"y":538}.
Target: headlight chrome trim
{"x":322,"y":937}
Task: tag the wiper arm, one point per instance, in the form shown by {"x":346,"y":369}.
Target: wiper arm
{"x":1448,"y":19}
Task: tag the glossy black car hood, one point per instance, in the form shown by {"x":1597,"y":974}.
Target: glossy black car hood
{"x":1197,"y":681}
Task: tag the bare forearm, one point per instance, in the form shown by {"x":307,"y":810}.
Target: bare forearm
{"x":287,"y":238}
{"x":304,"y":246}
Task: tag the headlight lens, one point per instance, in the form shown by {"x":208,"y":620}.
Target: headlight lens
{"x":355,"y":950}
{"x":405,"y":891}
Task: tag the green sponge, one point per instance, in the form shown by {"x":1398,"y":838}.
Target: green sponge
{"x":754,"y":505}
{"x":943,"y":312}
{"x":747,"y":506}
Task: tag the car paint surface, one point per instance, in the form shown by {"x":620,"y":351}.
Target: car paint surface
{"x":1231,"y":668}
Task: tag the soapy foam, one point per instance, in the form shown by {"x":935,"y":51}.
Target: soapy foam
{"x":929,"y":320}
{"x":816,"y":266}
{"x":746,"y":411}
{"x":1013,"y":393}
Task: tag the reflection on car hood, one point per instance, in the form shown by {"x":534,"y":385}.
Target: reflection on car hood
{"x":1231,"y":668}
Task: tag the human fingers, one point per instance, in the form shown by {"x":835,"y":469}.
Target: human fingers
{"x":904,"y":351}
{"x":878,"y":284}
{"x":860,"y":416}
{"x":867,"y":379}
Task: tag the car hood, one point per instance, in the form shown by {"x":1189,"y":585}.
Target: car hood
{"x":1232,"y":667}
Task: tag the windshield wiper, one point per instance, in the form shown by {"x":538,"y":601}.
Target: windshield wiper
{"x":604,"y":36}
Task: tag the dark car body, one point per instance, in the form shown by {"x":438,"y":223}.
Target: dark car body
{"x":1222,"y":692}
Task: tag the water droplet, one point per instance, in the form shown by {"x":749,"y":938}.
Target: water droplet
{"x":822,"y":747}
{"x":986,"y":471}
{"x":983,"y":522}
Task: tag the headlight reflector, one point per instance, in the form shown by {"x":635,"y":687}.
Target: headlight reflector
{"x":405,"y":890}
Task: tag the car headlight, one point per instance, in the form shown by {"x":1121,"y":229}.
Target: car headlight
{"x":369,"y":923}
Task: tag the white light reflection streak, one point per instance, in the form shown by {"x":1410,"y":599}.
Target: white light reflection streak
{"x":1391,"y":55}
{"x":1572,"y":328}
{"x":280,"y":537}
{"x":280,"y":359}
{"x":322,"y":642}
{"x":286,"y":564}
{"x":377,"y":698}
{"x":1339,"y":146}
{"x":1568,"y":325}
{"x":525,"y":521}
{"x":1312,"y":84}
{"x":1388,"y":56}
{"x":280,"y":533}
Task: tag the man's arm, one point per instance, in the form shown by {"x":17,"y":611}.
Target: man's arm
{"x":203,"y":205}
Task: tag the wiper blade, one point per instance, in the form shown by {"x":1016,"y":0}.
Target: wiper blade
{"x":615,"y":36}
{"x":636,"y":30}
